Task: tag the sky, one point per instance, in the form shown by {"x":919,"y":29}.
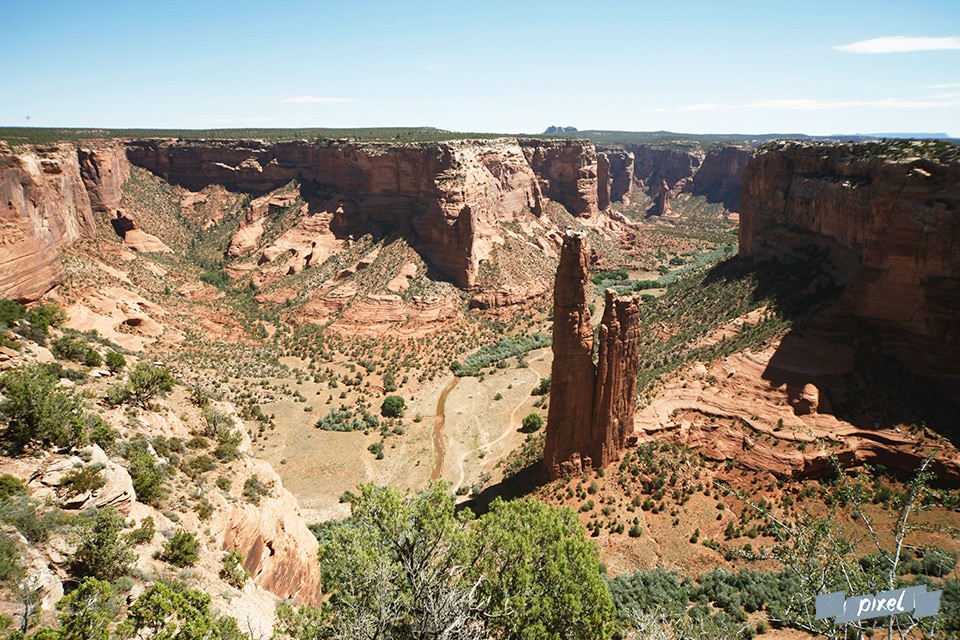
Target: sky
{"x":713,"y":66}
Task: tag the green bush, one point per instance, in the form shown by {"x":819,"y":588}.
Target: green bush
{"x":543,"y":388}
{"x":102,"y":553}
{"x":45,"y":316}
{"x":146,"y":382}
{"x":182,"y":550}
{"x":144,"y":533}
{"x":34,"y":520}
{"x":10,"y":486}
{"x":148,"y":477}
{"x":505,"y":348}
{"x":232,"y":571}
{"x":79,"y":481}
{"x":10,"y":312}
{"x":116,"y":362}
{"x":393,"y":406}
{"x":101,"y":433}
{"x":11,"y":567}
{"x":531,"y":422}
{"x":38,"y":411}
{"x":254,"y":489}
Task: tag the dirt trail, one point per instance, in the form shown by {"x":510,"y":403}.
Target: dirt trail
{"x":513,"y":423}
{"x":439,"y":442}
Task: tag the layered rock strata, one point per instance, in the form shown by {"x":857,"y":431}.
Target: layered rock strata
{"x":591,"y":406}
{"x":450,"y":198}
{"x":886,"y":221}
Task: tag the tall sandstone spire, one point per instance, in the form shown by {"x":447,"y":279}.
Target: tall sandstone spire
{"x":591,"y":406}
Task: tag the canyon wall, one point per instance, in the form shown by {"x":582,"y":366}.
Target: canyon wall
{"x":885,"y":220}
{"x":591,"y":406}
{"x":450,"y":197}
{"x":666,"y":171}
{"x":48,"y":196}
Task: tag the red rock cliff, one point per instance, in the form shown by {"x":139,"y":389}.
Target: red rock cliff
{"x":452,"y":196}
{"x":43,"y":205}
{"x":617,"y":366}
{"x":591,"y":407}
{"x":886,"y":217}
{"x":570,"y":415}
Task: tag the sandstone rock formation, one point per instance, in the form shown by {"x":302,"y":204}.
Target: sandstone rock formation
{"x":450,"y":197}
{"x":43,"y":205}
{"x":666,"y":171}
{"x":617,"y":364}
{"x":135,"y":237}
{"x":590,"y":415}
{"x":886,"y":220}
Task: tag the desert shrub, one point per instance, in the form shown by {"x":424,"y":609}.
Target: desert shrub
{"x":10,"y":486}
{"x":232,"y":571}
{"x":254,"y":489}
{"x":115,"y":362}
{"x":531,"y":422}
{"x":506,"y":347}
{"x":224,"y":484}
{"x":144,"y":533}
{"x":148,"y":476}
{"x":389,"y":381}
{"x":37,"y":411}
{"x":45,"y":316}
{"x":146,"y":382}
{"x":101,"y":433}
{"x":543,"y":388}
{"x":182,"y":550}
{"x":11,"y":566}
{"x":10,"y":312}
{"x":79,"y":481}
{"x":646,"y":591}
{"x":34,"y":520}
{"x":393,"y":406}
{"x":939,"y":562}
{"x":102,"y":552}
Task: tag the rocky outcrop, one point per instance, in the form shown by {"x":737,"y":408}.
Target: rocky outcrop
{"x":43,"y":206}
{"x":135,"y":237}
{"x":570,"y":415}
{"x":104,"y":169}
{"x":720,"y":175}
{"x":590,"y":415}
{"x":621,"y":174}
{"x":567,"y":172}
{"x":450,"y":198}
{"x":885,"y":218}
{"x":614,"y":400}
{"x":604,"y":181}
{"x":277,"y":547}
{"x":666,"y":171}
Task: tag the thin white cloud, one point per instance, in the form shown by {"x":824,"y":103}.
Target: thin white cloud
{"x":815,"y":105}
{"x":314,"y":100}
{"x":945,"y":85}
{"x":901,"y":44}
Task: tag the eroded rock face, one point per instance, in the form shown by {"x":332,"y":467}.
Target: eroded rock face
{"x":43,"y":205}
{"x":617,"y":366}
{"x":887,"y":223}
{"x":570,"y":415}
{"x":665,"y":172}
{"x":591,"y":406}
{"x":451,"y":197}
{"x":278,"y":549}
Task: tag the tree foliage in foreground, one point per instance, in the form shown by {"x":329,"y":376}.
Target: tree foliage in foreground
{"x":412,"y":567}
{"x":37,"y":411}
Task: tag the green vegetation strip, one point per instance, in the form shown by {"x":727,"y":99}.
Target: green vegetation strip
{"x":498,"y":352}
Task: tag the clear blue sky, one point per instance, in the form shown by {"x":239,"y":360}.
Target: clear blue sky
{"x":726,"y":66}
